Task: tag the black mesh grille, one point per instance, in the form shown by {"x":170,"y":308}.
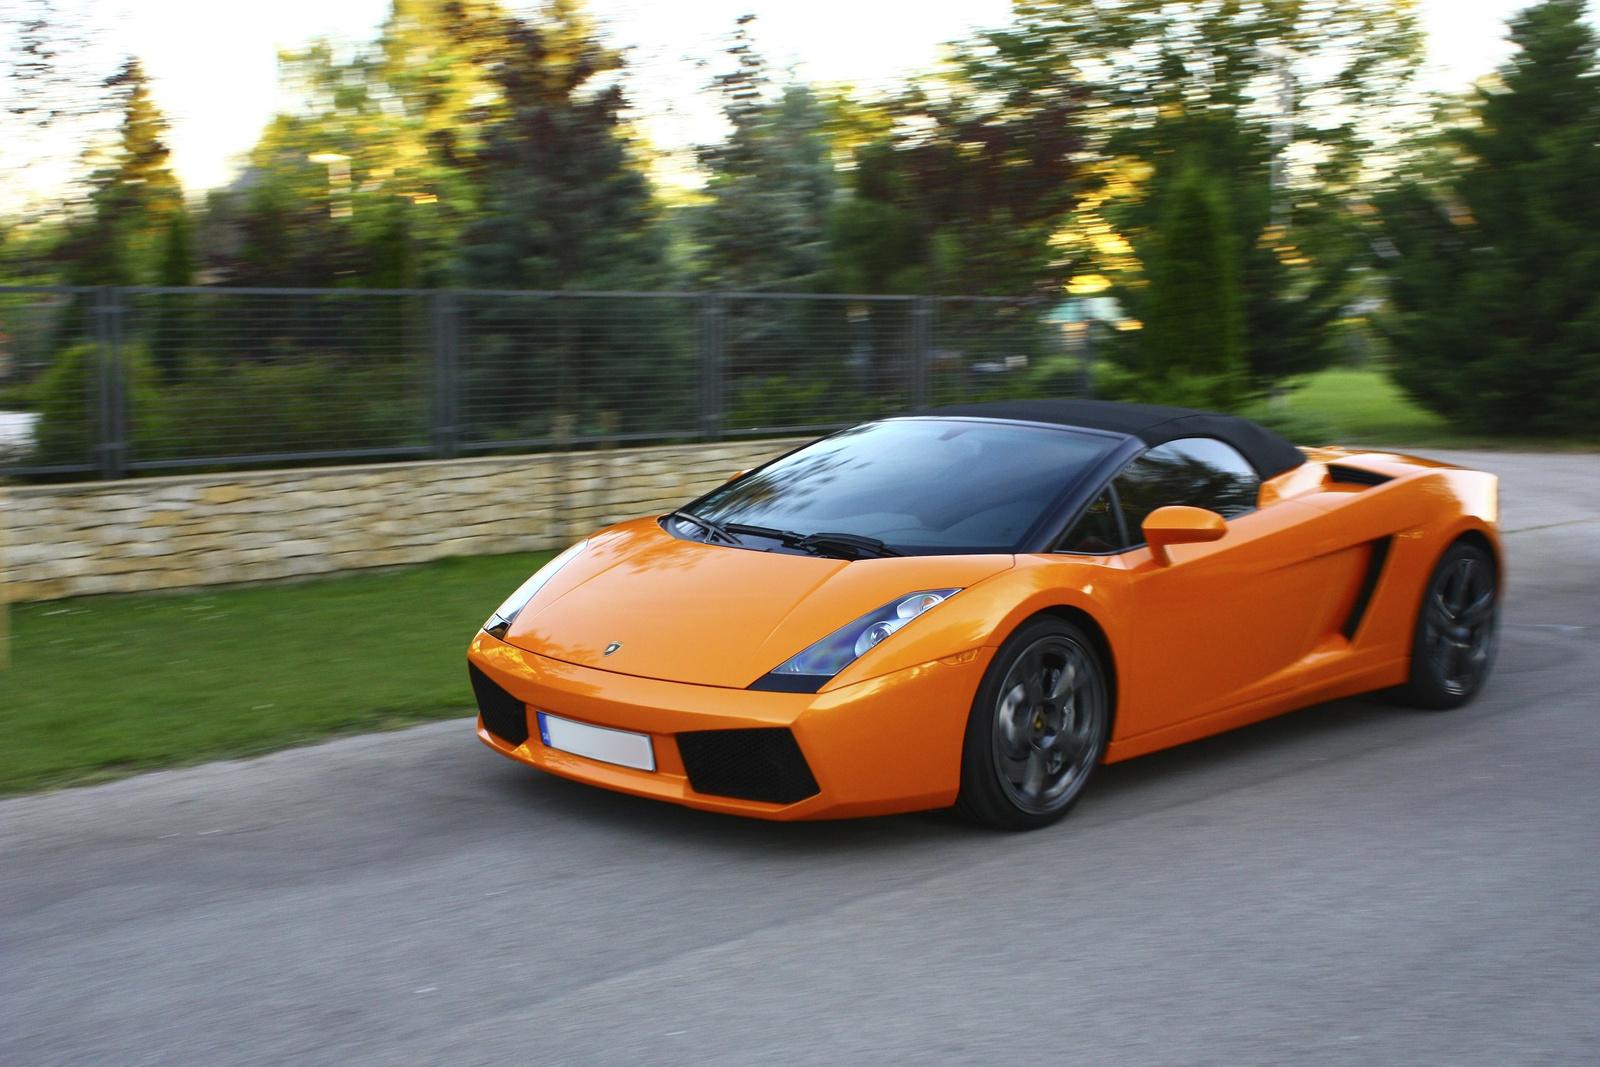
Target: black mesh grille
{"x":503,"y":714}
{"x":763,"y":764}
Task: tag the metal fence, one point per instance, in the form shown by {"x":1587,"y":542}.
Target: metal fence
{"x":109,"y":381}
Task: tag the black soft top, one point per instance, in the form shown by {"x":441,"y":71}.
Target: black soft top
{"x":1268,"y":453}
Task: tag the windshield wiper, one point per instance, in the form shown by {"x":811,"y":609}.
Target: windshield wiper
{"x":825,"y":543}
{"x":712,"y":528}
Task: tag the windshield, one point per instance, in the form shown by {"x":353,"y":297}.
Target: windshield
{"x":919,"y":486}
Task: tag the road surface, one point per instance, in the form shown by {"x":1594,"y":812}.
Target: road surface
{"x":1354,"y":883}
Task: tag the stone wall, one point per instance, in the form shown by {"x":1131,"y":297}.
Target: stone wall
{"x":162,"y":533}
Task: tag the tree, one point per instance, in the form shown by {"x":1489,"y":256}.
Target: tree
{"x":1494,"y":272}
{"x":970,"y":178}
{"x":374,"y":175}
{"x":132,"y":199}
{"x":1194,"y":319}
{"x":1281,"y":101}
{"x":566,"y":205}
{"x":770,"y":181}
{"x":51,"y":103}
{"x":319,"y":200}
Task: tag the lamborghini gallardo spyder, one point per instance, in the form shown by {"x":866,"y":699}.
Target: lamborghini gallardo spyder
{"x":979,"y":605}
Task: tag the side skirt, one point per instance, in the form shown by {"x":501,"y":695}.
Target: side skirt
{"x":1363,"y":680}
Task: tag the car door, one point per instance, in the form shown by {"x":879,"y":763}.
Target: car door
{"x":1224,"y":621}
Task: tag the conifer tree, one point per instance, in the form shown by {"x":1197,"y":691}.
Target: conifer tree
{"x":1243,"y":89}
{"x":1495,"y":273}
{"x":1193,"y":341}
{"x":565,"y":203}
{"x":133,"y":199}
{"x":770,"y":181}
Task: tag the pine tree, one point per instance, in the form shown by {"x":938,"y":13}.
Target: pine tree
{"x":1176,"y":82}
{"x":1193,"y":342}
{"x":173,"y":319}
{"x":566,"y":204}
{"x":133,"y":199}
{"x":1495,"y":273}
{"x":770,"y":181}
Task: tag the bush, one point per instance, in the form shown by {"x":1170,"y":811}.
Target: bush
{"x":221,"y":409}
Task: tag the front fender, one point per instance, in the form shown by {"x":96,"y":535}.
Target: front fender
{"x":984,"y":615}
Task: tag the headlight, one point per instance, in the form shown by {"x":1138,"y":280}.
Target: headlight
{"x":807,"y":672}
{"x":500,"y":622}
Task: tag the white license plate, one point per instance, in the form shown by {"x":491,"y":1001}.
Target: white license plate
{"x":597,"y":742}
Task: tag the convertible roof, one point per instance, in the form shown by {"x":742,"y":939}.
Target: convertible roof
{"x":1268,"y":453}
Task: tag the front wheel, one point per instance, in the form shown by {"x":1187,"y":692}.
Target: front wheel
{"x":1453,"y":645}
{"x":1038,"y":727}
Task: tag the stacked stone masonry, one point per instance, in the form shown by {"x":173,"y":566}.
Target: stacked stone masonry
{"x":165,"y":533}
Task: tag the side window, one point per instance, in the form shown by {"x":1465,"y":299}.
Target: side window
{"x":1198,"y":471}
{"x":1096,"y":529}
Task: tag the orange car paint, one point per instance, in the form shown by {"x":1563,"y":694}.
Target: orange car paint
{"x":1230,"y":632}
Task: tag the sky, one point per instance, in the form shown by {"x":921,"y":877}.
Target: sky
{"x":213,"y":63}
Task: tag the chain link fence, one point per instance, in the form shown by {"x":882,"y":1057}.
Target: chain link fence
{"x":109,"y":382}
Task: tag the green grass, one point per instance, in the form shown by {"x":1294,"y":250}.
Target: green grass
{"x":104,"y":686}
{"x":1364,"y":406}
{"x":1345,"y":406}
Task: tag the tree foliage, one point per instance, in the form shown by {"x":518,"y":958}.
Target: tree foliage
{"x":565,"y":203}
{"x":1226,"y":86}
{"x":1494,"y":271}
{"x":132,"y":199}
{"x":1194,"y":321}
{"x":51,"y":97}
{"x":467,"y":145}
{"x":770,"y":183}
{"x":970,"y":178}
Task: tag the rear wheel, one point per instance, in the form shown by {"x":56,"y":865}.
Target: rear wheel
{"x":1038,"y":727}
{"x":1453,"y":646}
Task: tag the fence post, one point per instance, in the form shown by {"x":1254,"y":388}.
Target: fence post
{"x":110,"y":402}
{"x":921,"y":349}
{"x":446,"y":392}
{"x":712,"y":319}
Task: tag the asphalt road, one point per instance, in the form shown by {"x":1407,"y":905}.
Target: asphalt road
{"x":1354,"y":883}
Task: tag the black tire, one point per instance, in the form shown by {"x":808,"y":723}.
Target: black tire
{"x":1453,"y":645}
{"x":1038,"y":727}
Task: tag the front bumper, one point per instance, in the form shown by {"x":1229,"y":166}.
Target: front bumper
{"x":885,"y":745}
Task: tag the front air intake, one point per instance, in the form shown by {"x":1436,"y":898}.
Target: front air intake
{"x":762,"y":764}
{"x":503,"y":714}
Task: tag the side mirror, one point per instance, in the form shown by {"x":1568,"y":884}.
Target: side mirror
{"x":1178,"y":525}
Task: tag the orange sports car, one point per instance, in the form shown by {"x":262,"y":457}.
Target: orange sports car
{"x":980,"y":605}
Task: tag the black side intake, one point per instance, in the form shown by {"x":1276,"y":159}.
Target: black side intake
{"x":1338,"y":472}
{"x":1377,"y":557}
{"x":503,"y":714}
{"x":761,"y":764}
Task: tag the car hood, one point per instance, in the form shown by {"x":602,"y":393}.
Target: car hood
{"x":707,"y":614}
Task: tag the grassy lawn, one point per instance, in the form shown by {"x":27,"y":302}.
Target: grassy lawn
{"x":1365,"y":407}
{"x":1345,"y":406}
{"x":104,"y":686}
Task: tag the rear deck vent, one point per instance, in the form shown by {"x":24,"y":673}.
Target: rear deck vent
{"x":763,"y":764}
{"x":503,"y":714}
{"x":1338,"y":472}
